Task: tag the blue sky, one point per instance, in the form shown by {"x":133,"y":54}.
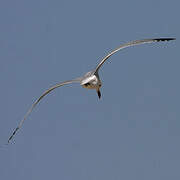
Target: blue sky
{"x":132,"y":132}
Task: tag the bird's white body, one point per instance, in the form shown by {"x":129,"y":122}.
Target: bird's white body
{"x":91,"y":81}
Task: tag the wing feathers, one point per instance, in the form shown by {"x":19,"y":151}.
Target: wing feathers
{"x":37,"y":101}
{"x":131,"y":43}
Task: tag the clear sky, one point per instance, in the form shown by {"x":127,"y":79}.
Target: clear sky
{"x":132,"y":132}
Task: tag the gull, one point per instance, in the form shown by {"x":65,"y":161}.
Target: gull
{"x":90,"y":80}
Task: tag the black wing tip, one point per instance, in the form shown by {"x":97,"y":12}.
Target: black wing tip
{"x":164,"y":39}
{"x":14,"y":132}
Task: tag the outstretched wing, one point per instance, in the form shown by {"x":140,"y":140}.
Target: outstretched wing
{"x":131,"y":43}
{"x":37,"y":101}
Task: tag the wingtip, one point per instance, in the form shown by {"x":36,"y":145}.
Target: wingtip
{"x":14,"y":132}
{"x":164,"y":39}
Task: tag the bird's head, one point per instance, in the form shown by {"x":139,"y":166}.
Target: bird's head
{"x":98,"y":93}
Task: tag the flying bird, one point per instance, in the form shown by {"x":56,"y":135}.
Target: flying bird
{"x":90,"y":80}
